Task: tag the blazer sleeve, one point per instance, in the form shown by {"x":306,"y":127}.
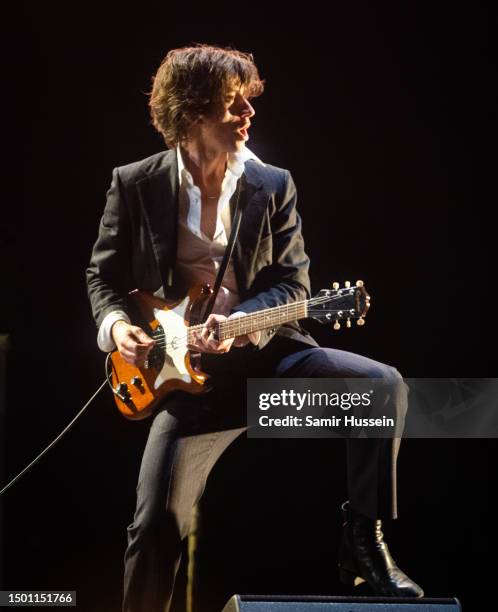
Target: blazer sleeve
{"x":287,"y":278}
{"x":108,"y":273}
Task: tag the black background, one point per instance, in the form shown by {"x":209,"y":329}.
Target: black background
{"x":383,"y":115}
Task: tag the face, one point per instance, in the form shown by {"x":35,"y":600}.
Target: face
{"x":226,"y":129}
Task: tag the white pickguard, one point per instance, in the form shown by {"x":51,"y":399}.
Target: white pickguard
{"x":173,"y":324}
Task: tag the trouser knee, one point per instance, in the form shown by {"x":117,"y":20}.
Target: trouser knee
{"x":160,"y":532}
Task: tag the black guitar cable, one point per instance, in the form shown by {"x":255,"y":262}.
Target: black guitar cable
{"x":54,"y":442}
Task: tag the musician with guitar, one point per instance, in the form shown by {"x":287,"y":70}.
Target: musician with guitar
{"x":197,"y":281}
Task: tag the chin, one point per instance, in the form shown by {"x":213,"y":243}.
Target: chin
{"x":234,"y":146}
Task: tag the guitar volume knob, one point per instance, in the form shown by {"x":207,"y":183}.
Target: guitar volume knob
{"x":136,"y":381}
{"x":122,"y":392}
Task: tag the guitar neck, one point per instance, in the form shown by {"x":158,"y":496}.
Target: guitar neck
{"x":262,"y":319}
{"x":327,"y":306}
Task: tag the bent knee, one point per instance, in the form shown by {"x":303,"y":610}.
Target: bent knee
{"x":392,"y":378}
{"x":394,"y":375}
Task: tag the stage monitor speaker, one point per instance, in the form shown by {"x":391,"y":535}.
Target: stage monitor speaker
{"x":285,"y":603}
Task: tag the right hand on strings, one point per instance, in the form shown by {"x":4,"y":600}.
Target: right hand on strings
{"x":133,"y":344}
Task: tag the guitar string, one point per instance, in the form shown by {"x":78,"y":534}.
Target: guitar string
{"x":290,"y":307}
{"x":182,"y":341}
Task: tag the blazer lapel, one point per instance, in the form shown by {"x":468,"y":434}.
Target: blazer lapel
{"x":253,"y":202}
{"x":158,"y":193}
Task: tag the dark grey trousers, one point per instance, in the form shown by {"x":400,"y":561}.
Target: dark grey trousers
{"x":188,"y":434}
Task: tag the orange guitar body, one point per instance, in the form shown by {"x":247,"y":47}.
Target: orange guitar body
{"x":171,"y":366}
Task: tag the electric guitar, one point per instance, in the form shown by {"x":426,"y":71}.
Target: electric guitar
{"x":171,"y":365}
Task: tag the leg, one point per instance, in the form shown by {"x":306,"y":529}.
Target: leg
{"x":371,"y":462}
{"x":178,"y":457}
{"x":371,"y":472}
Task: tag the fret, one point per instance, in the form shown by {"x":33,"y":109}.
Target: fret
{"x":262,"y":319}
{"x":349,"y":304}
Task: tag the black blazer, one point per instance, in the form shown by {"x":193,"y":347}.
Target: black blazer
{"x":137,"y":241}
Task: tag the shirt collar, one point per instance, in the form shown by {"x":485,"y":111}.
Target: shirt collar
{"x":236,"y":164}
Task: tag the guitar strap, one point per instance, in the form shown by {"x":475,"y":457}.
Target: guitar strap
{"x":241,"y":185}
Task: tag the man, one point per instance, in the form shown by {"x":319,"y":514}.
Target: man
{"x":164,"y":227}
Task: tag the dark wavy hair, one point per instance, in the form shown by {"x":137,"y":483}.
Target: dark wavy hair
{"x":192,"y":81}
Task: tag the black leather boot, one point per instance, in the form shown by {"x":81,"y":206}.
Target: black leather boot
{"x":364,"y":556}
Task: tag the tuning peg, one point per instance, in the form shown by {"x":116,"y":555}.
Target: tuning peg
{"x":359,"y":283}
{"x":347,"y":284}
{"x":337,"y":325}
{"x":348,"y":322}
{"x":360,"y":321}
{"x":335,"y":286}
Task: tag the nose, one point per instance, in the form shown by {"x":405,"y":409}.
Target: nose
{"x":247,"y":109}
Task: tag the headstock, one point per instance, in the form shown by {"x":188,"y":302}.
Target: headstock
{"x":335,"y":304}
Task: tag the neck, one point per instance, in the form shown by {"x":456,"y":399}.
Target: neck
{"x":206,"y":166}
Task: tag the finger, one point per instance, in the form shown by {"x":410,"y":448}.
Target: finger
{"x":214,"y":318}
{"x":200,"y":348}
{"x":131,"y":345}
{"x":204,"y":346}
{"x":211,"y":326}
{"x":212,"y":342}
{"x":202,"y":336}
{"x":205,"y":332}
{"x":196,"y":342}
{"x":214,"y":346}
{"x":203,"y":340}
{"x":141,"y":336}
{"x":128,"y":344}
{"x":226,"y":345}
{"x":131,"y":351}
{"x":141,"y":352}
{"x":128,"y":357}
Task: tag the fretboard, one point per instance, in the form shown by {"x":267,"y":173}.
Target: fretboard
{"x":262,"y":319}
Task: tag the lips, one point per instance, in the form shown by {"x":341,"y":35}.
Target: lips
{"x":243,"y":131}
